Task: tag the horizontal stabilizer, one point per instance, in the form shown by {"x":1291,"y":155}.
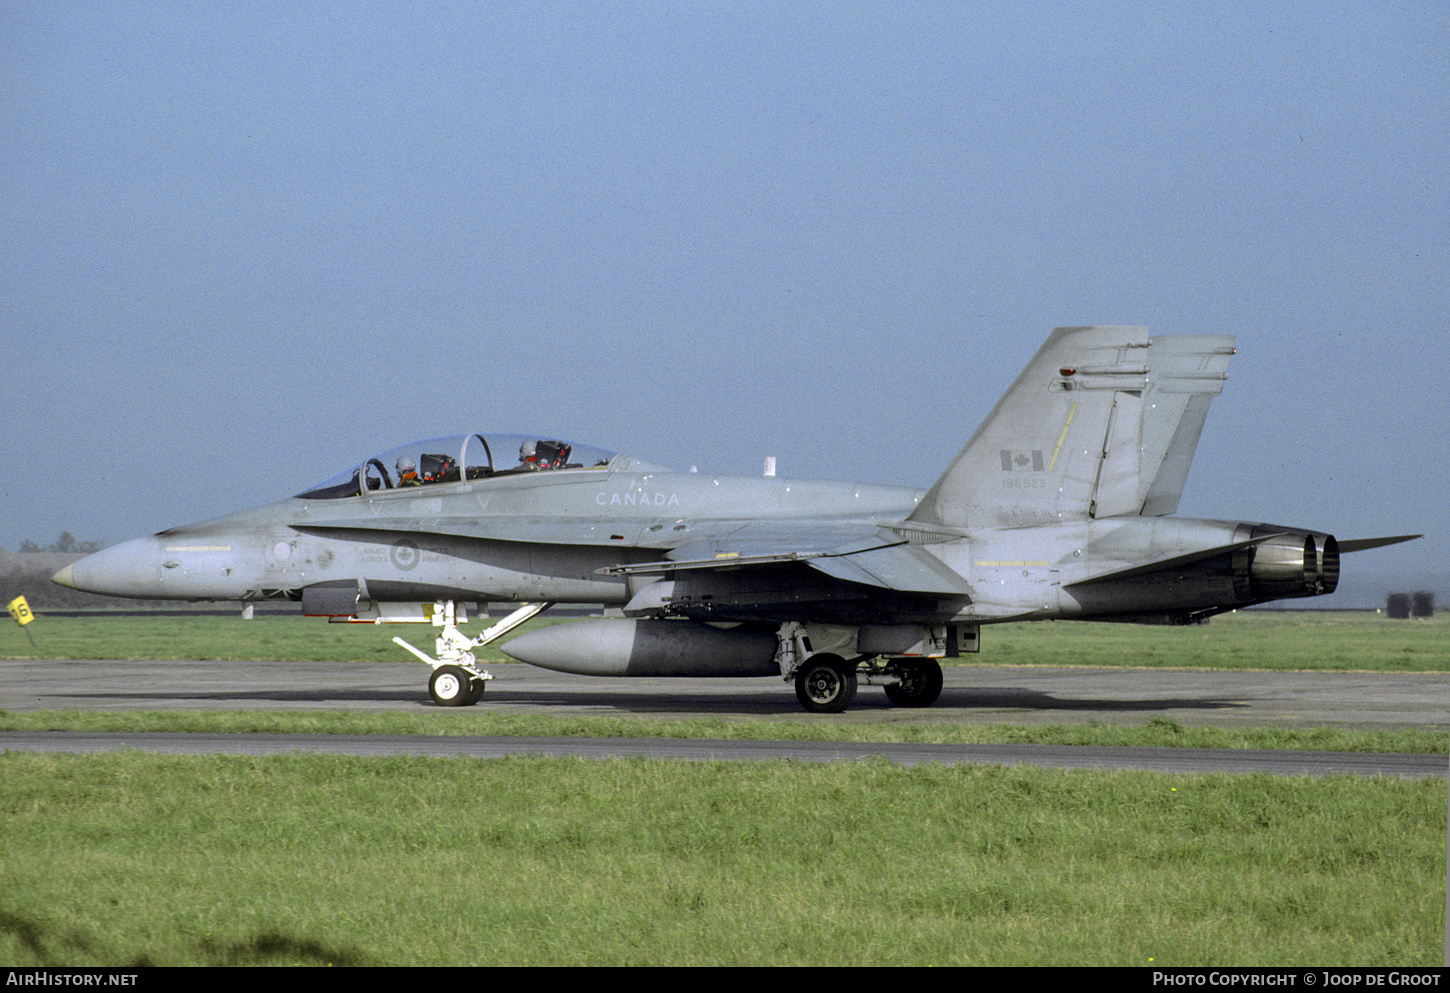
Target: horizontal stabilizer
{"x":1361,"y":544}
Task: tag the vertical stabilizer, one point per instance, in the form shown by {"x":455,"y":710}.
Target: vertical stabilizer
{"x":1102,"y":422}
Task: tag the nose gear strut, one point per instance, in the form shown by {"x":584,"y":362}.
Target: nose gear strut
{"x":457,"y":681}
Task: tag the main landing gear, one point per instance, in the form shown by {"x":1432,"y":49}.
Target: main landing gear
{"x":457,"y":681}
{"x":920,"y":682}
{"x":826,"y":682}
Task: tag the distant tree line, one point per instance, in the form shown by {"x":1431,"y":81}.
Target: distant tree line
{"x":66,"y":544}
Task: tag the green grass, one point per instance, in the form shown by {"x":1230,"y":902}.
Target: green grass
{"x":141,"y":859}
{"x":1254,"y":639}
{"x":1244,"y":640}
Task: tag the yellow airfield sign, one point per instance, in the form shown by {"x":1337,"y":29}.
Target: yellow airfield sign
{"x":20,"y":610}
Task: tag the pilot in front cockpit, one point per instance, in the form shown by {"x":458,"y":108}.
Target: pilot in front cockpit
{"x":408,"y":472}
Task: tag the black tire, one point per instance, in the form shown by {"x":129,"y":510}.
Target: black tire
{"x":825,"y":684}
{"x":475,"y":692}
{"x":920,"y":683}
{"x":448,"y":686}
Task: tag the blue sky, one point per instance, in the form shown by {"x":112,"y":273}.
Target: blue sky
{"x":246,"y":245}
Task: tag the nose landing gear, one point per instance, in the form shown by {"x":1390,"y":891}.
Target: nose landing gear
{"x":457,"y":681}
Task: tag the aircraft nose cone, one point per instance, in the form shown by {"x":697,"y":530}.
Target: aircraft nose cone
{"x":128,"y":569}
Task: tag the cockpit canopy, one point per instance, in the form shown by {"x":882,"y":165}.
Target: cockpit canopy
{"x":456,"y":459}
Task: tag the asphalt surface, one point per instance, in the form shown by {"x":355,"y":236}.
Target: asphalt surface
{"x":973,"y":694}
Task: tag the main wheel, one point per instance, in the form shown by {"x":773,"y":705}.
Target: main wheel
{"x":920,"y":683}
{"x":448,"y":686}
{"x":825,"y":684}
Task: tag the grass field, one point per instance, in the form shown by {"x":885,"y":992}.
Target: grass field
{"x":139,"y":859}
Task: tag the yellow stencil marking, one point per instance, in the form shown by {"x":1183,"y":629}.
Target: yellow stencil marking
{"x":1063,"y":436}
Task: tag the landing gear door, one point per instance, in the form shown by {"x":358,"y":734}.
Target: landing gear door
{"x":336,"y":598}
{"x":963,"y":639}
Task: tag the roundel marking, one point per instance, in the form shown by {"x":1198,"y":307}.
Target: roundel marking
{"x":405,"y":554}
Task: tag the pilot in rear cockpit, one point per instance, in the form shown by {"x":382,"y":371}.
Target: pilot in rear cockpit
{"x":529,"y":454}
{"x":538,"y":454}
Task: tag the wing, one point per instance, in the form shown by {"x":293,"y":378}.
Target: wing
{"x":861,"y":553}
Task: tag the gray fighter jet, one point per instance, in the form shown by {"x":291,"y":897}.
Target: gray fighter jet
{"x":1056,"y":508}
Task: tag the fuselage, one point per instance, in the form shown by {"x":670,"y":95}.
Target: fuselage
{"x":551,"y":536}
{"x":538,"y":535}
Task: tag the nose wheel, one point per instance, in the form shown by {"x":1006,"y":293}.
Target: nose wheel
{"x":454,"y":686}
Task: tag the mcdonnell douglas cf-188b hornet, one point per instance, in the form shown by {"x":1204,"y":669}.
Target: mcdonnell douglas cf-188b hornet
{"x":1056,"y":508}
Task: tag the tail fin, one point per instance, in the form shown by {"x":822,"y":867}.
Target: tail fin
{"x":1103,"y":421}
